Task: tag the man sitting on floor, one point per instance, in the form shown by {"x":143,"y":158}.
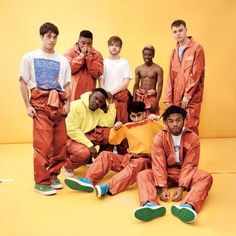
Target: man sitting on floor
{"x":175,"y":156}
{"x":139,"y":134}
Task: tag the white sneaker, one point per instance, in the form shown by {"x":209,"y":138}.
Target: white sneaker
{"x":69,"y":172}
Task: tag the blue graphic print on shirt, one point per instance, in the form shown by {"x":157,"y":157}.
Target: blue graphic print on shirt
{"x":47,"y":74}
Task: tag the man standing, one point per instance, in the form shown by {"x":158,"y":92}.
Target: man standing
{"x":175,"y":157}
{"x":87,"y":127}
{"x":116,"y":78}
{"x":186,"y":75}
{"x":47,"y":75}
{"x":148,"y":81}
{"x":86,"y":65}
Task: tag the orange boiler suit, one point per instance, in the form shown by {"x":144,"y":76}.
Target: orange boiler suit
{"x":147,"y":97}
{"x":130,"y":164}
{"x":85,"y":70}
{"x":186,"y":78}
{"x":49,"y":134}
{"x":121,"y":101}
{"x":166,"y":173}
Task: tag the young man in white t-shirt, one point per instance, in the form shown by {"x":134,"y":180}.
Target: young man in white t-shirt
{"x":46,"y":75}
{"x":115,"y":80}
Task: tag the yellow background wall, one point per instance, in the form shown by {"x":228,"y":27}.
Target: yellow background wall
{"x":212,"y":23}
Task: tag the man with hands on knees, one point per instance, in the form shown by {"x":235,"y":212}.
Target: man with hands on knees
{"x":88,"y":126}
{"x":175,"y":155}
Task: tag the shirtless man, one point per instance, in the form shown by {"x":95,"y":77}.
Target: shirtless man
{"x":151,"y":77}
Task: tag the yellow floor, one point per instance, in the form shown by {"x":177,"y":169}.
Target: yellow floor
{"x":26,"y":213}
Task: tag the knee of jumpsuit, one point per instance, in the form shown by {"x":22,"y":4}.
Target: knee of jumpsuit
{"x":79,"y":154}
{"x":144,"y":175}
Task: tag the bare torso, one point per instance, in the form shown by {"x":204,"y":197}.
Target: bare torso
{"x":149,"y":76}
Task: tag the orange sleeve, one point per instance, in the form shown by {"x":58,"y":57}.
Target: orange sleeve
{"x":159,"y":161}
{"x":169,"y":86}
{"x":116,"y":136}
{"x":190,"y":163}
{"x":76,"y":61}
{"x":197,"y":72}
{"x":95,"y":64}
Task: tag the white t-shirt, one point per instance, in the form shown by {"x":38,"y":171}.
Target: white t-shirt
{"x":176,"y":140}
{"x":45,"y":71}
{"x":115,"y":71}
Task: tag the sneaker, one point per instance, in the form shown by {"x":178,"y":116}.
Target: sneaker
{"x":69,"y":172}
{"x":56,"y":183}
{"x":82,"y":184}
{"x":44,"y":189}
{"x":184,"y":212}
{"x":102,"y":190}
{"x":149,"y":211}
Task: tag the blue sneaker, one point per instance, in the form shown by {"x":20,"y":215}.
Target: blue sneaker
{"x":184,"y":212}
{"x":102,"y":190}
{"x":149,"y":211}
{"x":82,"y":184}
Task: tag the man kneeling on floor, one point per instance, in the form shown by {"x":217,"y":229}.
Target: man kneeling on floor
{"x":139,"y":133}
{"x":87,"y":126}
{"x":175,"y":156}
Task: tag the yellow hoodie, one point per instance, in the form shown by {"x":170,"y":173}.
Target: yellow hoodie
{"x":82,"y":120}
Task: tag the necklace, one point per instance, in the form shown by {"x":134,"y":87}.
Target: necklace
{"x":149,"y":68}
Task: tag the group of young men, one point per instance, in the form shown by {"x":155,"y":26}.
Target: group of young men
{"x":75,"y":123}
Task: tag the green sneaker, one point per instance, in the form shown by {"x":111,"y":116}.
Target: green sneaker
{"x":44,"y":189}
{"x":56,"y":183}
{"x":184,"y":212}
{"x":149,"y":212}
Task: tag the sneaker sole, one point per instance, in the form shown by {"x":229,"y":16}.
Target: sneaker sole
{"x":76,"y":184}
{"x":98,"y":191}
{"x":148,"y":214}
{"x":185,"y":215}
{"x":57,"y":186}
{"x":46,"y":193}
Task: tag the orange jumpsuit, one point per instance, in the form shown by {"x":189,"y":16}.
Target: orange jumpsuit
{"x":84,"y":70}
{"x":78,"y":154}
{"x":186,"y":78}
{"x":166,"y":173}
{"x":121,"y":101}
{"x":130,"y":164}
{"x":49,"y":134}
{"x":147,"y":97}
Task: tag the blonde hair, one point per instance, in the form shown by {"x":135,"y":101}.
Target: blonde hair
{"x":149,"y":47}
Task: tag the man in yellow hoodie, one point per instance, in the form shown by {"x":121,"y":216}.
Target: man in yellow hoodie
{"x":139,"y":133}
{"x":87,"y":126}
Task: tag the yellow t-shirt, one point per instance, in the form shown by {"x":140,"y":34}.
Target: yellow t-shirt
{"x":139,"y":135}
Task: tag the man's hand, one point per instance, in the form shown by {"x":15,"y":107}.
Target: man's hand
{"x":164,"y":196}
{"x":153,"y":117}
{"x":184,"y":102}
{"x":85,"y":50}
{"x":118,"y":125}
{"x":178,"y":194}
{"x":66,"y":108}
{"x":93,"y":152}
{"x":31,"y":111}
